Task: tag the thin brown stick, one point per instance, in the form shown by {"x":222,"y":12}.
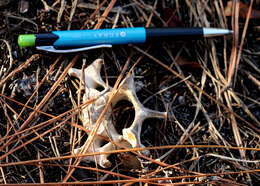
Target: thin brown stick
{"x":151,"y":14}
{"x":40,"y":169}
{"x":104,"y":15}
{"x":93,"y":14}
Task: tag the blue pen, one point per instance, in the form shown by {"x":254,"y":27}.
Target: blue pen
{"x":79,"y":40}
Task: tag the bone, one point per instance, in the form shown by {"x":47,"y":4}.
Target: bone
{"x":99,"y":159}
{"x":132,"y":134}
{"x":93,"y":111}
{"x":91,"y":73}
{"x":126,"y":91}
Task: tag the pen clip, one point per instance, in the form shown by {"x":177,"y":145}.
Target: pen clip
{"x":54,"y":50}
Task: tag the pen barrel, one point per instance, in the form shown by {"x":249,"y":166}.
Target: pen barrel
{"x":45,"y":39}
{"x":173,"y":33}
{"x":83,"y":38}
{"x":118,"y":36}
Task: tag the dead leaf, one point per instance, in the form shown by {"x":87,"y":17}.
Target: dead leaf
{"x":129,"y":161}
{"x":168,"y":15}
{"x":182,"y":61}
{"x":243,"y":10}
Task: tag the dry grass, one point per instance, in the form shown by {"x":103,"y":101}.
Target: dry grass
{"x":209,"y":88}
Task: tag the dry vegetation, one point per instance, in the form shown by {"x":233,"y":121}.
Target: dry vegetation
{"x":209,"y":87}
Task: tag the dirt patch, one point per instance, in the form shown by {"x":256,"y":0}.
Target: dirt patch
{"x":209,"y":87}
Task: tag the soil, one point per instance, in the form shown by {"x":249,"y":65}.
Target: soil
{"x":213,"y":108}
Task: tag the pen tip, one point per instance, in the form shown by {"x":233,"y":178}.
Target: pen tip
{"x":216,"y":32}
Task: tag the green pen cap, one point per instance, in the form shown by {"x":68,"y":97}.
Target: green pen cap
{"x":26,"y":40}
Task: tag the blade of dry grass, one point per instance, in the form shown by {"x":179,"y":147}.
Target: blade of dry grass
{"x":72,"y":12}
{"x":3,"y":174}
{"x":40,"y":169}
{"x":11,"y":60}
{"x":235,"y":56}
{"x":243,"y":38}
{"x":235,"y":129}
{"x":232,"y":159}
{"x":61,"y":10}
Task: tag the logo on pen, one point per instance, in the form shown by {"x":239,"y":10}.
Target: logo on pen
{"x":122,"y":34}
{"x":110,"y":34}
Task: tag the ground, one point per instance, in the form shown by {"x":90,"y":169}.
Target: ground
{"x":209,"y":88}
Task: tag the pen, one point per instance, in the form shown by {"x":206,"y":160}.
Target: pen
{"x":79,"y":40}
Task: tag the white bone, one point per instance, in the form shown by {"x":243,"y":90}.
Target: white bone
{"x":126,"y":91}
{"x":92,"y":74}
